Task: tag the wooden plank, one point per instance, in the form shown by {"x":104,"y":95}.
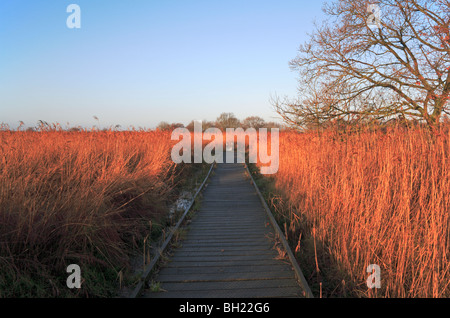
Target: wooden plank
{"x":210,"y":253}
{"x":221,"y":236}
{"x":205,"y":226}
{"x":228,"y":249}
{"x":225,"y":245}
{"x":211,"y":286}
{"x":226,"y":269}
{"x":236,"y":240}
{"x":222,"y":258}
{"x":268,"y":261}
{"x":284,"y":292}
{"x":227,"y":276}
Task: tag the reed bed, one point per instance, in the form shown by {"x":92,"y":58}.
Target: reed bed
{"x":84,"y":197}
{"x":350,"y":199}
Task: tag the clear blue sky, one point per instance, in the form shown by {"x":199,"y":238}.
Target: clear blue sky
{"x":141,"y":62}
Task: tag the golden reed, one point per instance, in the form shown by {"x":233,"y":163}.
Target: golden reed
{"x":373,"y":197}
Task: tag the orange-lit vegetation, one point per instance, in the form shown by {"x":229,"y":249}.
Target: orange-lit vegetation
{"x":349,"y":199}
{"x":82,"y":197}
{"x":368,"y":197}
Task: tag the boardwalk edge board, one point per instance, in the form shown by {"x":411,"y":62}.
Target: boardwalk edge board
{"x":298,"y":272}
{"x":138,"y":289}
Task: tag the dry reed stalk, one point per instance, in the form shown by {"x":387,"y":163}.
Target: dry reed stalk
{"x":79,"y":197}
{"x":374,"y":197}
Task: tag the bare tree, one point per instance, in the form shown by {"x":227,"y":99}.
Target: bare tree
{"x":205,"y":125}
{"x":163,"y":126}
{"x":227,"y":120}
{"x":253,"y":122}
{"x":374,"y":60}
{"x":166,"y":126}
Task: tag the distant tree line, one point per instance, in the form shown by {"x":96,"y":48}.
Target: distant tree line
{"x":225,"y":120}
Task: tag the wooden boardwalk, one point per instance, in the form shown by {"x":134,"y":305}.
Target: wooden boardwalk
{"x":229,"y":249}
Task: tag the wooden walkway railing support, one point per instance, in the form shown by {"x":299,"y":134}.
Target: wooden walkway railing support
{"x":298,"y":271}
{"x":139,"y":287}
